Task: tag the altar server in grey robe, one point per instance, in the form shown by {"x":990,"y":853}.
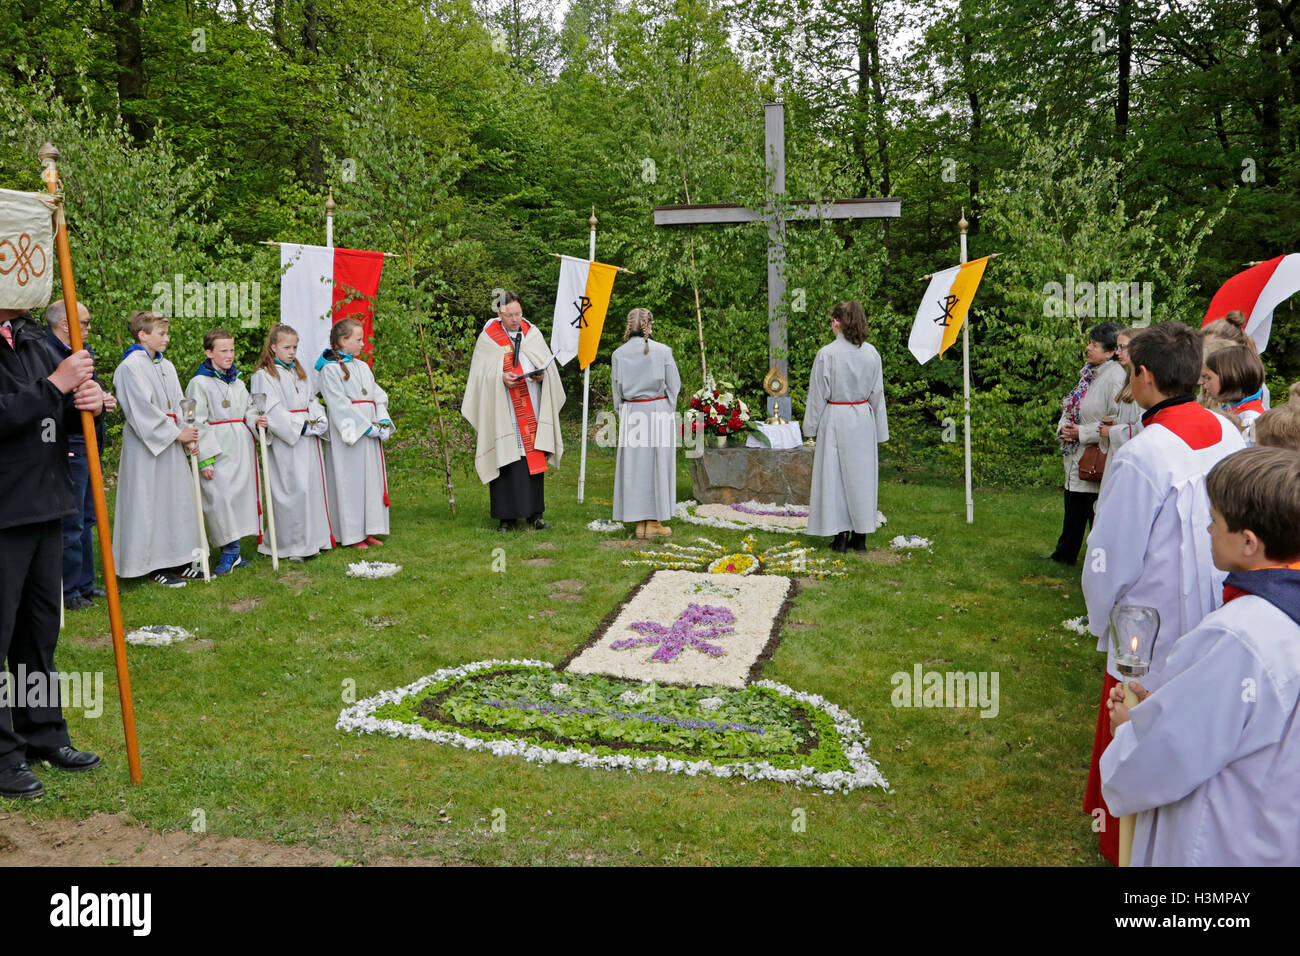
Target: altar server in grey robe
{"x":295,"y":421}
{"x":155,"y":524}
{"x":845,"y":412}
{"x":356,"y":478}
{"x":645,"y":385}
{"x":232,"y":505}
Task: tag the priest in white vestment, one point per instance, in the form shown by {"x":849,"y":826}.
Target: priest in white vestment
{"x":513,"y":400}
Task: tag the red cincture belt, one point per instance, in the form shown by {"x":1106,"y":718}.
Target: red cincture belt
{"x":863,"y":401}
{"x":657,"y":398}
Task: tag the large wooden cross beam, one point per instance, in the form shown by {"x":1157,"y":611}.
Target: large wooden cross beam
{"x":776,"y":218}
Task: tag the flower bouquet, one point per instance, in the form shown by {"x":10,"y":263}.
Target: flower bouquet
{"x":718,"y":413}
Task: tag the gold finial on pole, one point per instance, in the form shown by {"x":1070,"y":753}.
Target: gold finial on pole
{"x":330,"y":205}
{"x":963,"y":224}
{"x":592,"y":221}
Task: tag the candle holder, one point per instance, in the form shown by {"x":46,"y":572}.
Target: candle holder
{"x":259,"y":402}
{"x":1133,"y":630}
{"x":188,"y":408}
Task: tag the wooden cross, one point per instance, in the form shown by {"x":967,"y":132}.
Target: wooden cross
{"x":724,"y":213}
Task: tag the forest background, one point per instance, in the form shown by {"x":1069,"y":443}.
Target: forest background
{"x":1088,"y":142}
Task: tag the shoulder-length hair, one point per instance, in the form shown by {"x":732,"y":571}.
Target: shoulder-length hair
{"x":853,"y":321}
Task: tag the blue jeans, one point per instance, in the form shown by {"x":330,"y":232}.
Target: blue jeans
{"x":78,"y":547}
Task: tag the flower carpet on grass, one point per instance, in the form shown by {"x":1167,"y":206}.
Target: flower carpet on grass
{"x":669,"y":682}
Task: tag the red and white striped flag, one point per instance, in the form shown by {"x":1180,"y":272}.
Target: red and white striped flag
{"x":320,"y":285}
{"x":1256,"y":293}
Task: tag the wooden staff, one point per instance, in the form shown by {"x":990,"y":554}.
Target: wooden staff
{"x":49,"y":157}
{"x":259,"y":402}
{"x":187,"y":409}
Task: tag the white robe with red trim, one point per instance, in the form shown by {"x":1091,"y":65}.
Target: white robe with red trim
{"x":1210,"y":762}
{"x":297,"y":464}
{"x":231,"y":497}
{"x":1150,"y":543}
{"x":355,"y":478}
{"x":645,"y":384}
{"x":488,"y":408}
{"x":155,"y":523}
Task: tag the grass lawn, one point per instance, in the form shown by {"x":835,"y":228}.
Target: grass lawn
{"x":240,"y":724}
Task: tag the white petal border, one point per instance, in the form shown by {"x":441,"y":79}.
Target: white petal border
{"x":684,"y":511}
{"x":359,"y":718}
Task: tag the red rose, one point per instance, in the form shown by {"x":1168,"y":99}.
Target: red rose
{"x":695,"y":428}
{"x":695,"y":404}
{"x":716,"y":393}
{"x":735,"y":423}
{"x":722,"y":428}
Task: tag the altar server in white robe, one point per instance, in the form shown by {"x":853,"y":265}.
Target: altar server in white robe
{"x":155,"y":523}
{"x":295,"y":421}
{"x":1209,"y":759}
{"x":232,"y":503}
{"x":645,"y":386}
{"x":1149,"y":544}
{"x":845,"y":412}
{"x":356,"y":478}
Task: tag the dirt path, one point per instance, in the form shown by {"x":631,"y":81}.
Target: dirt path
{"x":111,"y":840}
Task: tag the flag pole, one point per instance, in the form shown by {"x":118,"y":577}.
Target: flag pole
{"x":965,"y":375}
{"x":586,"y":377}
{"x":329,"y":219}
{"x":49,"y":157}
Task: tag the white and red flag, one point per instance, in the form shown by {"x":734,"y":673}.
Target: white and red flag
{"x":1256,"y":293}
{"x":319,"y":285}
{"x":27,"y":261}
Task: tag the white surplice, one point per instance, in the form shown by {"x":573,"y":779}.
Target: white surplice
{"x":155,"y":523}
{"x":231,"y":498}
{"x":1150,"y":543}
{"x":297,"y":464}
{"x":1210,"y":762}
{"x":645,"y":386}
{"x":845,"y":479}
{"x":356,"y":480}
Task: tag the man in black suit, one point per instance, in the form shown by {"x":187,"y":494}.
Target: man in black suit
{"x":40,"y":404}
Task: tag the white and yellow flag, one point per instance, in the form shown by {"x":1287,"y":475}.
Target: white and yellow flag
{"x":27,"y":259}
{"x":580,"y":305}
{"x":944,"y":308}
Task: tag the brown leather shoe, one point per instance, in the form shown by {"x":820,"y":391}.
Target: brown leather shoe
{"x":653,"y":529}
{"x":640,"y":529}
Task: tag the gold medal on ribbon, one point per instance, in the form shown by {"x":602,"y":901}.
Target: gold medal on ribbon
{"x":225,"y":403}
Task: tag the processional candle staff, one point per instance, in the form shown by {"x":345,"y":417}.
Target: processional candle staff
{"x":1133,"y":630}
{"x":188,"y":407}
{"x":259,"y":402}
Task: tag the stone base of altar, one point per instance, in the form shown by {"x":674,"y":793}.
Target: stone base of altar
{"x":735,"y":474}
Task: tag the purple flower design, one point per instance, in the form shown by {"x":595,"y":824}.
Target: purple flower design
{"x":693,"y":627}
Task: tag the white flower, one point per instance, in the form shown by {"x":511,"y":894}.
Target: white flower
{"x":910,"y":542}
{"x":1079,"y":625}
{"x":559,"y":690}
{"x":158,"y":635}
{"x":710,"y":704}
{"x":372,"y":569}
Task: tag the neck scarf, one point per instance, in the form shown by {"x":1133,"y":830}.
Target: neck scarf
{"x":1072,"y":401}
{"x":207,"y":368}
{"x":329,"y":355}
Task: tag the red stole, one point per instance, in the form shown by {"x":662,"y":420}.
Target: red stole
{"x":519,"y":396}
{"x":1198,"y":427}
{"x":1255,"y":405}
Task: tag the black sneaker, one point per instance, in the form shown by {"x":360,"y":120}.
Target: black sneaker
{"x":167,"y":579}
{"x":188,"y":572}
{"x":78,"y":603}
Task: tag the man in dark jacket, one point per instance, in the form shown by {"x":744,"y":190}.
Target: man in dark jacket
{"x":78,"y":550}
{"x":39,"y":406}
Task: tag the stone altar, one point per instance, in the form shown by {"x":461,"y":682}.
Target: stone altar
{"x":736,"y":474}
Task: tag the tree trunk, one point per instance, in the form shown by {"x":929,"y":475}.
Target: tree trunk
{"x":1124,"y":16}
{"x":128,"y":52}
